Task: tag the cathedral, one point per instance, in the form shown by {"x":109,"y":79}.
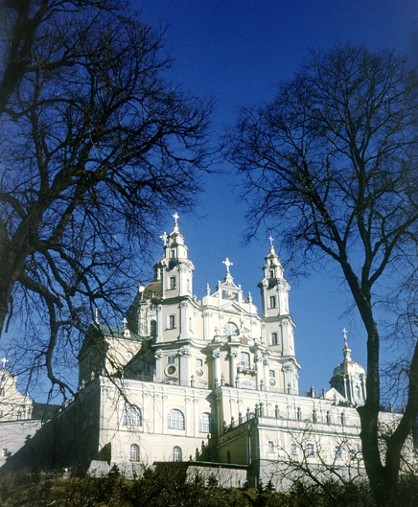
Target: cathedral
{"x":210,"y":382}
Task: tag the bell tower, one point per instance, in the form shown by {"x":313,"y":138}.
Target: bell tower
{"x":175,"y":270}
{"x":277,"y":323}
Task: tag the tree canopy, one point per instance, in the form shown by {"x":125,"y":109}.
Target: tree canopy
{"x":331,"y":165}
{"x":95,"y":144}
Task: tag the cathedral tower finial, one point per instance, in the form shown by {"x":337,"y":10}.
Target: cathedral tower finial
{"x":164,"y":237}
{"x":346,"y":349}
{"x":271,"y":244}
{"x":228,"y":264}
{"x":176,"y":222}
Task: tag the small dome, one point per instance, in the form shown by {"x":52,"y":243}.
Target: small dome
{"x":349,"y":367}
{"x":151,"y":291}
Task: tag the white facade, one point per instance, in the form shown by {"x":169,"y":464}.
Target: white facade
{"x":192,"y":376}
{"x":206,"y":380}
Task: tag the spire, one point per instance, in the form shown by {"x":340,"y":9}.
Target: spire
{"x":273,"y":268}
{"x":346,"y":349}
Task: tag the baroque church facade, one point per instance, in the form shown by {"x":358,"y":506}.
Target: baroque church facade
{"x":207,"y":381}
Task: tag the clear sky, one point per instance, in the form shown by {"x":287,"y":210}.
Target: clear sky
{"x":236,"y":52}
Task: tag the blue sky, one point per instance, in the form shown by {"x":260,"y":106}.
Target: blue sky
{"x":236,"y":52}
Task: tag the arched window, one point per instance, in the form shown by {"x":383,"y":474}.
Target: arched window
{"x":177,"y":453}
{"x":132,"y":416}
{"x":153,"y":328}
{"x":134,"y":452}
{"x":204,"y":423}
{"x":176,"y":419}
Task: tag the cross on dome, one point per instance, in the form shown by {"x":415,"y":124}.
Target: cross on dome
{"x":345,"y":333}
{"x":228,"y":264}
{"x":270,"y":238}
{"x":176,"y":221}
{"x":164,"y":237}
{"x":346,"y":350}
{"x":4,"y":361}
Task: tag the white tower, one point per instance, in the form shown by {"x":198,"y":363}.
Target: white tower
{"x":278,"y":324}
{"x":175,"y":270}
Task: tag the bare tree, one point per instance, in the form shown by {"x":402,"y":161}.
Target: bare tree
{"x":95,"y":145}
{"x":331,"y":163}
{"x":325,"y":462}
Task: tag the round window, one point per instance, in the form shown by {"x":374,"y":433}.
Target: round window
{"x":171,"y":370}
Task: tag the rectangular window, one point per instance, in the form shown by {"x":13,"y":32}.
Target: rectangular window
{"x":338,"y":452}
{"x":271,"y":273}
{"x":270,"y":446}
{"x":172,"y":283}
{"x":172,"y":254}
{"x":171,"y":321}
{"x":310,"y":449}
{"x":245,"y":359}
{"x":293,"y":449}
{"x":273,"y":339}
{"x":171,"y":360}
{"x":272,"y":373}
{"x":272,"y":301}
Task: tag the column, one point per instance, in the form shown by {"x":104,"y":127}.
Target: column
{"x":232,"y":367}
{"x":183,"y":320}
{"x":216,"y":367}
{"x":184,"y":354}
{"x":158,"y":366}
{"x":159,"y":324}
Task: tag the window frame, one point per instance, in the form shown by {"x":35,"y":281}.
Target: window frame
{"x":205,"y":422}
{"x":171,"y":321}
{"x":310,"y":449}
{"x":134,"y":453}
{"x":245,"y":363}
{"x":132,"y":416}
{"x":177,"y":453}
{"x":176,"y":420}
